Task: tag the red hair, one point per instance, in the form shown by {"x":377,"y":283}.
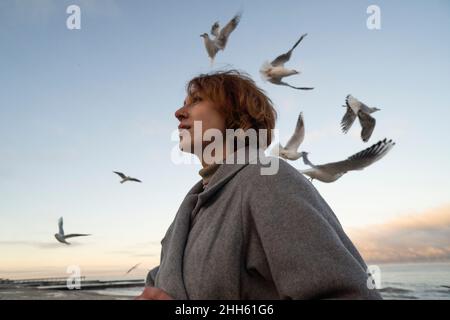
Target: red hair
{"x":238,"y":98}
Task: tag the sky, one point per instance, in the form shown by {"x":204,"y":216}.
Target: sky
{"x":77,"y":104}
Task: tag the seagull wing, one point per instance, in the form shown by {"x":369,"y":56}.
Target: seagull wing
{"x":77,"y":235}
{"x":283,"y":58}
{"x":120,"y":174}
{"x":359,"y":160}
{"x":299,"y":134}
{"x":355,"y":104}
{"x":215,"y":29}
{"x":60,"y":226}
{"x":282,"y":83}
{"x":308,"y":171}
{"x":348,"y":119}
{"x":311,"y":172}
{"x":134,"y":179}
{"x":133,"y":267}
{"x":367,"y":123}
{"x":306,"y":160}
{"x":222,"y":39}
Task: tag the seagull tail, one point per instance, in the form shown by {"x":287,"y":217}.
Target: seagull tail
{"x":264,"y":70}
{"x":275,"y":151}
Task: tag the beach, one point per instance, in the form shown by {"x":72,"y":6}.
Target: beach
{"x":57,"y":290}
{"x":405,"y":281}
{"x":21,"y":293}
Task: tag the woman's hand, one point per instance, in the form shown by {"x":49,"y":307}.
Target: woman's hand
{"x":153,"y":293}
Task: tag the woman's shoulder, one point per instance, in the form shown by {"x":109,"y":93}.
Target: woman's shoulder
{"x":273,"y":171}
{"x":287,"y":184}
{"x":283,"y":195}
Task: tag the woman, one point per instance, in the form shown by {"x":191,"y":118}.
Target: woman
{"x":242,"y":234}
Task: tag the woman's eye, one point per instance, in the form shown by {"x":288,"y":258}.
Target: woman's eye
{"x":193,"y":100}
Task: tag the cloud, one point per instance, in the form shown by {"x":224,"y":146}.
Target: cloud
{"x":409,"y":238}
{"x":141,"y":249}
{"x":41,"y":245}
{"x":144,"y":255}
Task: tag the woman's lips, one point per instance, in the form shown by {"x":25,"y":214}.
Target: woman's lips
{"x":183,"y":126}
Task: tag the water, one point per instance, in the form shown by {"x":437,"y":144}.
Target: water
{"x":415,"y":281}
{"x":404,"y":281}
{"x":128,"y":292}
{"x":398,"y":281}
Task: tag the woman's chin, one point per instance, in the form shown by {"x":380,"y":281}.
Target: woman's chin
{"x":185,"y":147}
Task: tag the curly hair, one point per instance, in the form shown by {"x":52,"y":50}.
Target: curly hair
{"x":238,"y":98}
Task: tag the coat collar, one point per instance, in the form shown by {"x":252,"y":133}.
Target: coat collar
{"x":228,"y":169}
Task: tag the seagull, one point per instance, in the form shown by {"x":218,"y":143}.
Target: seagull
{"x":132,"y":268}
{"x":61,"y":237}
{"x":126,"y":178}
{"x":357,"y":108}
{"x":275,"y":71}
{"x":221,"y":36}
{"x":330,"y":172}
{"x":290,"y":152}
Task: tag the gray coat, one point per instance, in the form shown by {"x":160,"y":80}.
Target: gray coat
{"x":253,"y":236}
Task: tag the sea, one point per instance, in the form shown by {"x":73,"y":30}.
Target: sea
{"x":402,"y":281}
{"x":408,"y":281}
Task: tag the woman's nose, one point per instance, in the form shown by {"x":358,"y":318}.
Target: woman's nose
{"x":181,"y":113}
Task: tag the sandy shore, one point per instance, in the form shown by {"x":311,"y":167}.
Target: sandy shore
{"x":24,"y":293}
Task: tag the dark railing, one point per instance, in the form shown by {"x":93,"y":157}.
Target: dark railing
{"x":54,"y":279}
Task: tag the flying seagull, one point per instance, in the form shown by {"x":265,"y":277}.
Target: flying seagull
{"x":221,"y":36}
{"x":61,"y":237}
{"x":330,"y":172}
{"x":357,"y":108}
{"x":275,"y":71}
{"x":290,"y":151}
{"x":126,"y":178}
{"x":132,"y":268}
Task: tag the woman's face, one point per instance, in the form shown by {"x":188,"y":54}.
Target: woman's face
{"x":197,"y":107}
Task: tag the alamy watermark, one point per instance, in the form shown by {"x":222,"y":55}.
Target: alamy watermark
{"x":373,"y":277}
{"x":374,"y":20}
{"x":73,"y":22}
{"x":74,"y":280}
